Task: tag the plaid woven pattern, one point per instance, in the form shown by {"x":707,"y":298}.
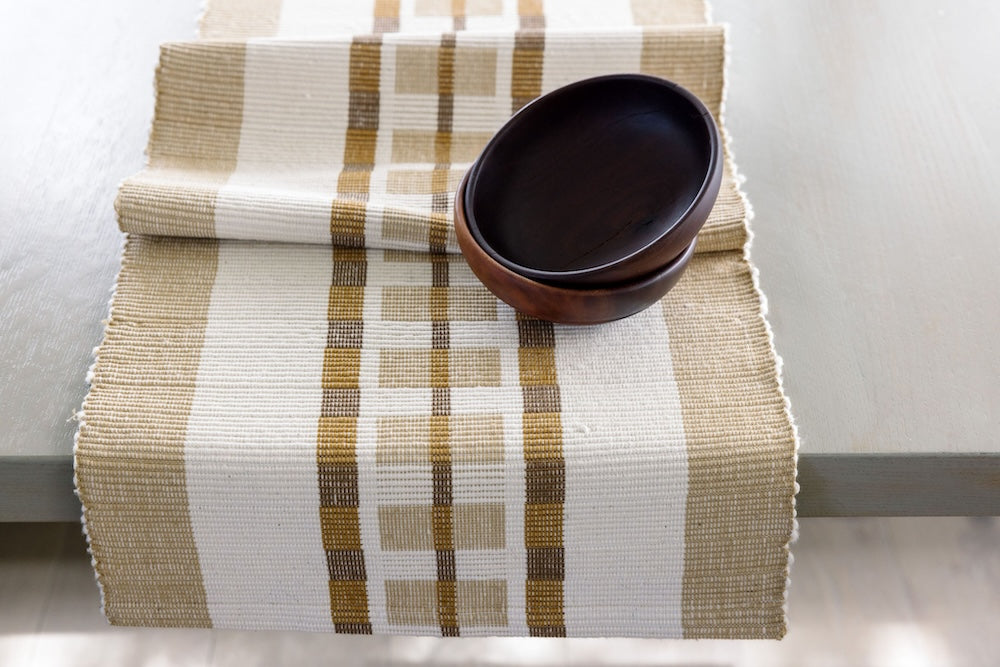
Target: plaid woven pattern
{"x":307,"y":413}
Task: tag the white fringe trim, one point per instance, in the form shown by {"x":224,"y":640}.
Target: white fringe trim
{"x":199,"y":25}
{"x":81,"y":416}
{"x":755,"y":277}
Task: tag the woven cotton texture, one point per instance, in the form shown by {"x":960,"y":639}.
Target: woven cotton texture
{"x":307,"y":413}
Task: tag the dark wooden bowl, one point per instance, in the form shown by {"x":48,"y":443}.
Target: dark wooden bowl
{"x":566,"y":305}
{"x":601,"y":181}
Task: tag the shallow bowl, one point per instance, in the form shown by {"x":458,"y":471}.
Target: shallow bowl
{"x":557,"y":303}
{"x":603,"y":181}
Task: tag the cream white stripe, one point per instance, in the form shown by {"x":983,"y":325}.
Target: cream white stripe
{"x":514,"y":488}
{"x":256,"y":523}
{"x":623,"y":530}
{"x":570,"y":57}
{"x":570,"y":14}
{"x":302,"y":18}
{"x":292,"y":139}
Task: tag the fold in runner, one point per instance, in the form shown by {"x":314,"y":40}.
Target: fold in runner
{"x":341,"y":435}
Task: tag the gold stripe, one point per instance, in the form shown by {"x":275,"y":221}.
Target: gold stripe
{"x":347,"y":215}
{"x":348,"y":212}
{"x":336,"y":445}
{"x":337,"y":431}
{"x":139,"y":524}
{"x":731,"y":590}
{"x":545,"y":479}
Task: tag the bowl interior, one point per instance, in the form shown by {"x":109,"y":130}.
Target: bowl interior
{"x":590,"y":174}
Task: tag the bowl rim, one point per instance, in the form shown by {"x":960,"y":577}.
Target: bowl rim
{"x":566,"y":277}
{"x":675,"y":266}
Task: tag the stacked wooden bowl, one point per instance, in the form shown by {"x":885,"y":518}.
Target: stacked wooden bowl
{"x":585,"y":206}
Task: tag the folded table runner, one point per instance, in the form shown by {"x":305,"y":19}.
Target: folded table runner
{"x":299,"y":420}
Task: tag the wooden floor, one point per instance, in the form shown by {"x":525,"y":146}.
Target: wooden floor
{"x":914,"y":592}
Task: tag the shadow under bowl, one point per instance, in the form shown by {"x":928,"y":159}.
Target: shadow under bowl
{"x":599,"y":182}
{"x":565,"y":305}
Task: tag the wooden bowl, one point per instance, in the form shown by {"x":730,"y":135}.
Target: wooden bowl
{"x":601,"y":181}
{"x":565,"y":305}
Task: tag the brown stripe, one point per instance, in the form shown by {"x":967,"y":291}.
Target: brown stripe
{"x":139,"y":525}
{"x":731,"y":590}
{"x":336,"y":454}
{"x":240,"y":19}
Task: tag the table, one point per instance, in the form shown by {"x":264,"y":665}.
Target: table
{"x":867,"y":133}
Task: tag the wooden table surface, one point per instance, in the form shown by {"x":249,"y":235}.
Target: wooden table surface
{"x":869,"y":135}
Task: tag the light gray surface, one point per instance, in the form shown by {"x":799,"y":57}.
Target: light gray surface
{"x":869,"y":135}
{"x":865,"y":592}
{"x":77,"y":99}
{"x":867,"y":132}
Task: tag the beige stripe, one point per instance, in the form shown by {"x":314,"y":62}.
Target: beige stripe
{"x":240,"y":19}
{"x":386,"y":16}
{"x":199,"y":106}
{"x":532,"y":16}
{"x":135,"y":420}
{"x":458,"y":12}
{"x":193,"y":143}
{"x":714,"y":317}
{"x":660,"y":12}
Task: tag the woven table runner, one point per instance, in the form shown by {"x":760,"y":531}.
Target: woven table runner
{"x":307,"y":413}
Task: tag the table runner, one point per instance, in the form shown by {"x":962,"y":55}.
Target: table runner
{"x":308,"y":414}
